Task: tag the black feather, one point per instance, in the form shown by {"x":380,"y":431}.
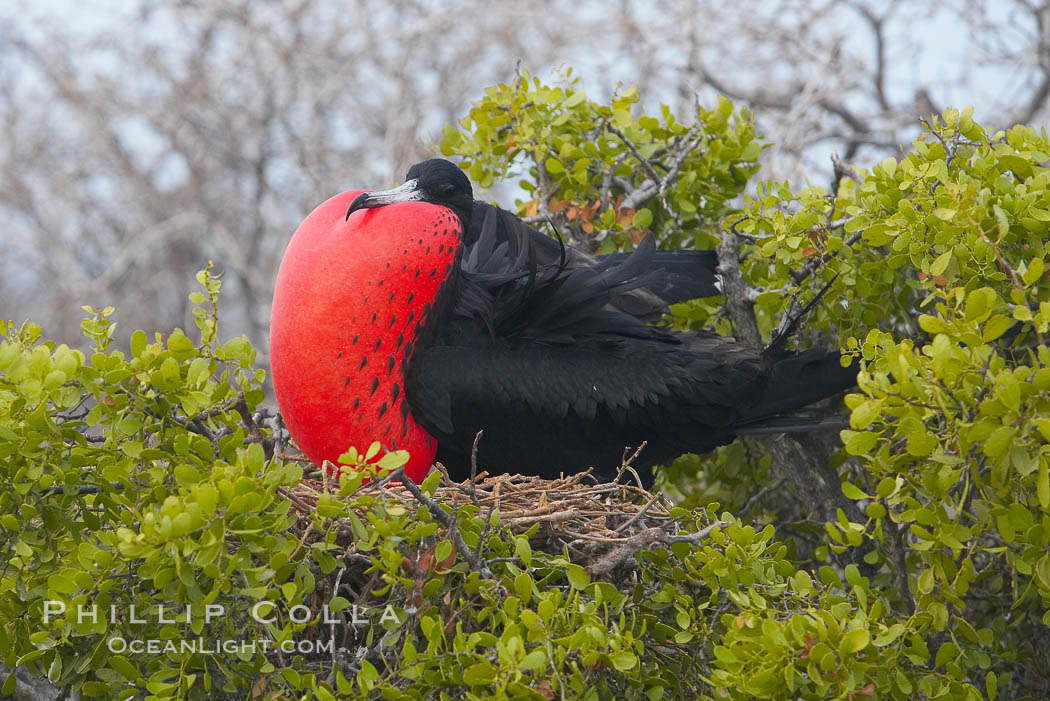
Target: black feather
{"x":551,"y":353}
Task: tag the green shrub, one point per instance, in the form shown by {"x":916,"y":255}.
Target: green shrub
{"x":151,"y":478}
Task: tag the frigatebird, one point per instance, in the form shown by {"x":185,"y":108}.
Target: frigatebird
{"x":418,"y":317}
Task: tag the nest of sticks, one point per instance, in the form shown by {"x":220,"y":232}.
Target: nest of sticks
{"x":601,"y":524}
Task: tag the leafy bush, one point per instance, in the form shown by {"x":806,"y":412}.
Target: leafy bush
{"x":151,"y":478}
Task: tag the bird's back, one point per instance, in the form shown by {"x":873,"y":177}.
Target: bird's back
{"x":556,"y":362}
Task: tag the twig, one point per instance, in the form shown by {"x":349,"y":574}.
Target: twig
{"x":806,"y":270}
{"x":449,"y":522}
{"x":624,"y":552}
{"x":843,"y":170}
{"x":554,"y":517}
{"x":302,"y":505}
{"x":474,"y":469}
{"x":693,"y":538}
{"x":757,"y":496}
{"x":293,"y":458}
{"x":81,"y":489}
{"x":641,"y":512}
{"x":302,"y":542}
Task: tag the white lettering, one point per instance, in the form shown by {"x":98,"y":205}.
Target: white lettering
{"x":53,"y":608}
{"x":214,"y":611}
{"x":257,"y":616}
{"x":389,"y":615}
{"x":298,"y":610}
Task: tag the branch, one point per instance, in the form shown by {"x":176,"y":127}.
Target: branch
{"x":880,"y":54}
{"x":739,"y":300}
{"x":656,"y":185}
{"x":448,"y":521}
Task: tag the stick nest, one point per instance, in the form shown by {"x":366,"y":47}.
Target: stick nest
{"x":601,"y":524}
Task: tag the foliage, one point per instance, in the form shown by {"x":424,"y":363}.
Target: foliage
{"x":137,"y":490}
{"x":937,"y":271}
{"x":133,"y":483}
{"x":948,"y":303}
{"x":149,"y":479}
{"x":603,"y":172}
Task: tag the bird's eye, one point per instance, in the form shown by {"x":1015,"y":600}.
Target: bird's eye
{"x":444,"y":188}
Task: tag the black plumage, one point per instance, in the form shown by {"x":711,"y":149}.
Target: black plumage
{"x":551,"y":353}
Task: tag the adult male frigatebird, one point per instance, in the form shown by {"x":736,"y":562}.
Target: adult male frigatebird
{"x":419,"y":316}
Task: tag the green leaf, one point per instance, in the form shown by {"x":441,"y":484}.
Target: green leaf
{"x":1042,"y":571}
{"x":853,"y":492}
{"x":947,"y":652}
{"x":932,"y":324}
{"x":578,"y":577}
{"x":624,"y":661}
{"x":926,"y":581}
{"x":523,"y":550}
{"x":479,"y":673}
{"x":996,"y":327}
{"x":523,"y":586}
{"x":537,"y":659}
{"x":940,"y":264}
{"x":1000,"y":440}
{"x":859,"y":442}
{"x":979,"y":304}
{"x":643,"y":218}
{"x":138,"y":343}
{"x":124,"y":667}
{"x":576,"y":98}
{"x":865,"y":413}
{"x":854,"y":641}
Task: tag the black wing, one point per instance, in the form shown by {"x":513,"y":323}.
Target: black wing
{"x":522,"y":284}
{"x":584,"y":402}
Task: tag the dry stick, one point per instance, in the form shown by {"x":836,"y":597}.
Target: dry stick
{"x":757,"y":496}
{"x":641,"y":512}
{"x":299,"y":503}
{"x":554,"y":517}
{"x":624,"y":552}
{"x":452,"y":484}
{"x":474,"y":470}
{"x":693,"y":538}
{"x":629,"y":547}
{"x":302,"y":542}
{"x":625,"y":465}
{"x":293,"y":458}
{"x":449,"y":522}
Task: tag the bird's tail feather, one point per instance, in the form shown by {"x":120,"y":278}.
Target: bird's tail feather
{"x":684,"y":275}
{"x":794,"y":424}
{"x":798,"y":380}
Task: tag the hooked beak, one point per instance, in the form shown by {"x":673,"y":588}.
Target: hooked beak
{"x":409,"y":192}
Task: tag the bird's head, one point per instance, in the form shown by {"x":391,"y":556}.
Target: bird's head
{"x":436,"y":181}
